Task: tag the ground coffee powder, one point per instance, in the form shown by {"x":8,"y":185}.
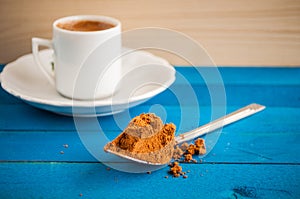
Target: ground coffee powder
{"x":146,"y":138}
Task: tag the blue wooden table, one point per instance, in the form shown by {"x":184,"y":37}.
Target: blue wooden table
{"x":42,"y":155}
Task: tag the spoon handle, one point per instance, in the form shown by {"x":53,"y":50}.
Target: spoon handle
{"x":218,"y":123}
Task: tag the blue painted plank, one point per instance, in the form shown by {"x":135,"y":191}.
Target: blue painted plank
{"x":232,"y":147}
{"x":23,"y":118}
{"x":272,"y":136}
{"x":6,"y":98}
{"x":26,"y":118}
{"x":244,"y":75}
{"x":90,"y":180}
{"x":42,"y":146}
{"x":275,"y":95}
{"x":1,"y":67}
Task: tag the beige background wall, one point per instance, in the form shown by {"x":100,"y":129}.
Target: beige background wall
{"x":234,"y":32}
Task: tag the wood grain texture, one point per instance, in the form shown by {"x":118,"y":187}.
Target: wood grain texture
{"x":245,"y":33}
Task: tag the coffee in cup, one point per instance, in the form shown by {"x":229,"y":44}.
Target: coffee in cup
{"x":86,"y":56}
{"x":85,"y":25}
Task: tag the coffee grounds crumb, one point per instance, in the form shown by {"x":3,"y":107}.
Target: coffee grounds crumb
{"x":200,"y":148}
{"x":107,"y":168}
{"x":80,"y":194}
{"x":166,"y":176}
{"x":192,"y":149}
{"x":185,"y":152}
{"x":188,"y":157}
{"x":199,"y":142}
{"x":175,"y":169}
{"x":148,"y":172}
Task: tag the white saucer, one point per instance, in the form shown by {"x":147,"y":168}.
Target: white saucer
{"x":145,"y":76}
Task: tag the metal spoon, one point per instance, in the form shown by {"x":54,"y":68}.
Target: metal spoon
{"x":202,"y":130}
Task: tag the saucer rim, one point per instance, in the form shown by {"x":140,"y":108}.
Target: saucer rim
{"x":84,"y":103}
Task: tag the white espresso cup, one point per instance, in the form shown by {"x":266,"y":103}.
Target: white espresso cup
{"x":86,"y":48}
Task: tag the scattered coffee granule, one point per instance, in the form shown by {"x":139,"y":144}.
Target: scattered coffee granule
{"x":188,"y":150}
{"x":200,"y":146}
{"x":199,"y":142}
{"x":166,"y":176}
{"x":148,"y":172}
{"x":80,"y":194}
{"x":107,"y":168}
{"x":145,"y":138}
{"x":175,"y":169}
{"x":188,"y":157}
{"x":191,"y":149}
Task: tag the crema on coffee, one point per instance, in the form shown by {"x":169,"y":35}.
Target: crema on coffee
{"x":85,"y":25}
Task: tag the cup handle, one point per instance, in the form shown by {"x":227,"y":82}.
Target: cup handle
{"x":36,"y":42}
